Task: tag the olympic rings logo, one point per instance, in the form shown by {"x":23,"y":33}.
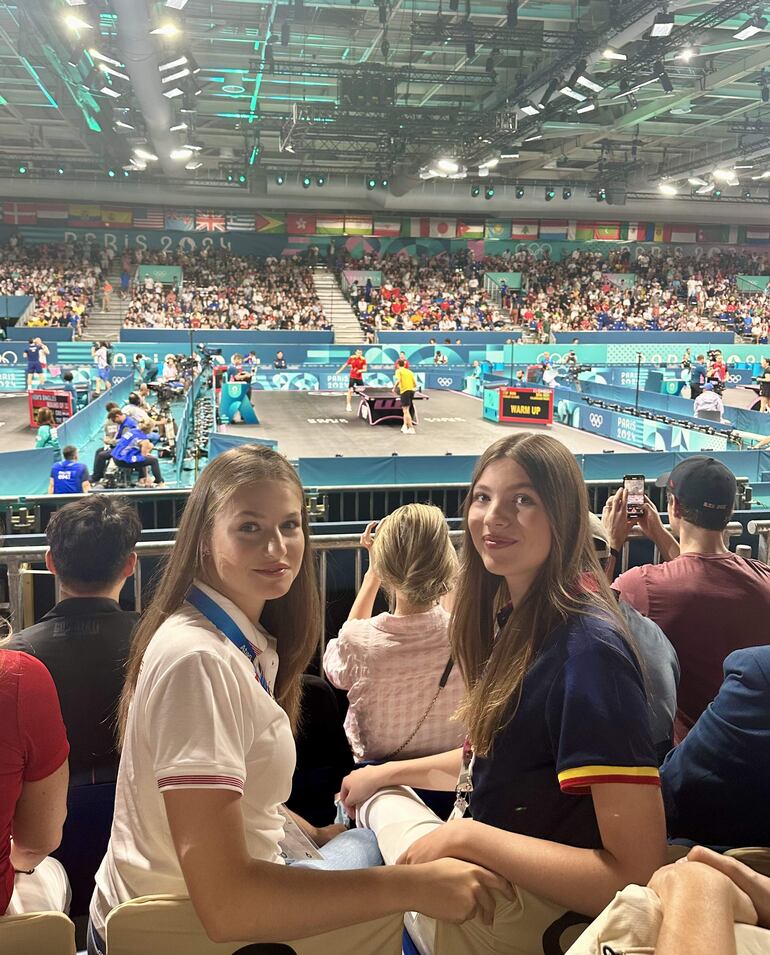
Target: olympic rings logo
{"x":445,"y":382}
{"x":596,"y":420}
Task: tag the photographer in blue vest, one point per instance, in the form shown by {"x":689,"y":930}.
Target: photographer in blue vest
{"x":134,"y":450}
{"x":69,"y":476}
{"x":102,"y":457}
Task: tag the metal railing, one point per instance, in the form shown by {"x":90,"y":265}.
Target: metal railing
{"x":762,"y":530}
{"x":18,"y":561}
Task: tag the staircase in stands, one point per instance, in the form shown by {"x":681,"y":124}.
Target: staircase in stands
{"x":337,"y":308}
{"x":105,"y":326}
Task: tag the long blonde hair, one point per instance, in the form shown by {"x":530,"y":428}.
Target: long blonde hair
{"x":295,"y":619}
{"x":494,"y":670}
{"x":412,"y":554}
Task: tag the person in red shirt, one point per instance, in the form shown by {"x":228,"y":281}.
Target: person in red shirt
{"x":33,"y":788}
{"x":357,"y":365}
{"x":401,"y":358}
{"x":707,"y":600}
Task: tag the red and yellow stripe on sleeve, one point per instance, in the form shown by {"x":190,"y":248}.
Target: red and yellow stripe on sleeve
{"x":580,"y":779}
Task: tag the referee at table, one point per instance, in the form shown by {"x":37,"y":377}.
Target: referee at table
{"x":406,"y":385}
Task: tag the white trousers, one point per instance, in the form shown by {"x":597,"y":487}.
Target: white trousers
{"x":46,"y":890}
{"x":528,"y":925}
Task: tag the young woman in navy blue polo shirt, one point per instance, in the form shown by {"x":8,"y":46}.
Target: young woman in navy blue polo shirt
{"x":564,"y":789}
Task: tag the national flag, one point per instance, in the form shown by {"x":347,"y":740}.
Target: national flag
{"x":525,"y":229}
{"x":120,"y":216}
{"x":206,"y":220}
{"x":659,"y":232}
{"x":85,"y":214}
{"x":149,"y":217}
{"x":19,"y":213}
{"x":358,"y":225}
{"x":713,"y":233}
{"x":470,"y":230}
{"x":636,"y":231}
{"x":732,"y":235}
{"x":240,"y":221}
{"x":607,"y":231}
{"x":52,"y":210}
{"x":180,"y":220}
{"x":498,"y":229}
{"x":553,"y":229}
{"x":584,"y":231}
{"x":329,"y":225}
{"x":756,"y":235}
{"x":299,"y":223}
{"x":269,"y":223}
{"x":682,"y":234}
{"x":442,"y":228}
{"x":387,"y":227}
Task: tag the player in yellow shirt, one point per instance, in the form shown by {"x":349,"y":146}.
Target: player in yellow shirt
{"x":406,"y":385}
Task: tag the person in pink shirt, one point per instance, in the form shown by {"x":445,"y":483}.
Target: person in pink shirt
{"x":395,"y":666}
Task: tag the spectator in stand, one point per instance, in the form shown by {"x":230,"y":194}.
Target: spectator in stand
{"x":708,"y":400}
{"x":439,"y":358}
{"x":716,"y":786}
{"x":46,"y":429}
{"x":279,"y":361}
{"x":69,"y":476}
{"x":107,"y":291}
{"x":412,"y":558}
{"x":33,"y":788}
{"x":707,"y":600}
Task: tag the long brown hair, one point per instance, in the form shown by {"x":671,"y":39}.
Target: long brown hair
{"x":294,"y":619}
{"x":494,"y":670}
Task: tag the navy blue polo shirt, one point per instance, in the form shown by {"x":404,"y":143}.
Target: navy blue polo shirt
{"x":68,"y":477}
{"x":582,"y":719}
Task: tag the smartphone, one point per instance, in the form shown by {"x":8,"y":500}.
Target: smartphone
{"x":634,"y":487}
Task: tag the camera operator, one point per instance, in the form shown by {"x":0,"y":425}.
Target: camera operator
{"x":134,"y":450}
{"x":146,"y":368}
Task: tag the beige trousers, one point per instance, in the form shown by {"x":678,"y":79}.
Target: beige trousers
{"x":46,"y":890}
{"x":528,"y":925}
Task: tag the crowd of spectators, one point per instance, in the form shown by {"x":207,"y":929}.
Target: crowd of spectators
{"x":224,"y":291}
{"x":63,"y":279}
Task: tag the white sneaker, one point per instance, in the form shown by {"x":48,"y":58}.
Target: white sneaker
{"x":404,"y":429}
{"x":348,"y":408}
{"x":410,"y":431}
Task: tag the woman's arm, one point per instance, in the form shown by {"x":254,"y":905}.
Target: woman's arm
{"x":437,"y":772}
{"x":238,"y":897}
{"x":363,"y":605}
{"x":633,"y":832}
{"x":38,"y":819}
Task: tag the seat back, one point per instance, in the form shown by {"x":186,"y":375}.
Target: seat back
{"x":36,"y":933}
{"x":755,"y":857}
{"x":168,"y":924}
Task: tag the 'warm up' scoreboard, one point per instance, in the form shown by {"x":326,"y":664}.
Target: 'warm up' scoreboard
{"x":526,"y":405}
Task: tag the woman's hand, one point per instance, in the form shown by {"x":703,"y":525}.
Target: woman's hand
{"x":359,"y":785}
{"x":685,"y":880}
{"x":455,"y":891}
{"x":367,"y":540}
{"x":445,"y":842}
{"x":615,"y":519}
{"x":756,"y":886}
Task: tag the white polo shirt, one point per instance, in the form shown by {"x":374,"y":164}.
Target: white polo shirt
{"x":199,"y":719}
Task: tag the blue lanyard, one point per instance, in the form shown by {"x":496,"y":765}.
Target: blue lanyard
{"x":229,"y":628}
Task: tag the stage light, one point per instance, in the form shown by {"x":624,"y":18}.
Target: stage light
{"x":126,"y":173}
{"x":241,"y":178}
{"x":747,"y":193}
{"x":230,"y":177}
{"x":22,"y":170}
{"x":166,"y":29}
{"x":145,"y":154}
{"x":475,"y":191}
{"x":549,"y":194}
{"x":663,"y":25}
{"x":371,"y":183}
{"x":697,"y":181}
{"x":529,"y":109}
{"x":181,"y":153}
{"x":111,"y":173}
{"x":384,"y":183}
{"x":724,"y":175}
{"x":755,"y":25}
{"x":77,"y":23}
{"x":320,"y":180}
{"x":601,"y":195}
{"x":520,"y":192}
{"x":588,"y":107}
{"x":667,"y":189}
{"x":610,"y":54}
{"x":717,"y":193}
{"x":306,"y":182}
{"x":490,"y":192}
{"x":573,"y":94}
{"x":193,"y":165}
{"x":280,"y":179}
{"x":566,"y":193}
{"x":173,"y":64}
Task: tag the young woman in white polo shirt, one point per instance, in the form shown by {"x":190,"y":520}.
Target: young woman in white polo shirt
{"x":206,"y":725}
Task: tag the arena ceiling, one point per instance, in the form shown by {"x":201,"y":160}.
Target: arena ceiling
{"x":234,"y":94}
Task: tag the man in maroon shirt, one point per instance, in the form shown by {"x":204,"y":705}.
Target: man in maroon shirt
{"x":706,"y":600}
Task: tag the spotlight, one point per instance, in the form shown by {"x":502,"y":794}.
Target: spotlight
{"x":242,"y":178}
{"x":747,"y":193}
{"x":529,"y":108}
{"x":668,"y":189}
{"x":588,"y":107}
{"x":520,"y":192}
{"x":60,"y":170}
{"x":610,"y":54}
{"x":384,"y":183}
{"x":77,"y":23}
{"x":448,"y":165}
{"x":280,"y":179}
{"x":306,"y":182}
{"x":111,"y":173}
{"x":601,"y":195}
{"x":371,"y":183}
{"x":320,"y":180}
{"x":475,"y":191}
{"x":717,"y":193}
{"x":663,"y":25}
{"x":22,"y":170}
{"x":755,"y":25}
{"x":566,"y":193}
{"x":549,"y":194}
{"x":490,"y":192}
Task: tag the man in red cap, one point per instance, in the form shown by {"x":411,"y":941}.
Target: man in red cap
{"x":707,"y":600}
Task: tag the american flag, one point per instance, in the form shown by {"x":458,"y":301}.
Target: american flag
{"x":149,"y":217}
{"x":240,"y":222}
{"x":208,"y":221}
{"x":19,"y":213}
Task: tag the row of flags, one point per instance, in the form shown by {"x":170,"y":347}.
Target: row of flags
{"x":95,"y":215}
